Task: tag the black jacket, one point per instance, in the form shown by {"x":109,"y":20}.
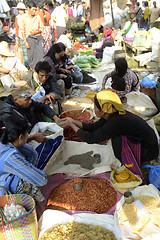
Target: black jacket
{"x":33,"y":113}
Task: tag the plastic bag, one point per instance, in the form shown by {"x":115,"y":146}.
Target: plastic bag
{"x":154,"y":175}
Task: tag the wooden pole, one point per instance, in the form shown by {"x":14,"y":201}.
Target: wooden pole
{"x":112,"y":13}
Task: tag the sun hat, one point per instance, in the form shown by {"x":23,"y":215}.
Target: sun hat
{"x":21,"y":5}
{"x":25,"y":92}
{"x":128,"y":3}
{"x":4,"y":49}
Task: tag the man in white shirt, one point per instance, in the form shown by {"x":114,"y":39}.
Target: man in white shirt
{"x":65,"y":38}
{"x":154,"y":13}
{"x":59,"y":17}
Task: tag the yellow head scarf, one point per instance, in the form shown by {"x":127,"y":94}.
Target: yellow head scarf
{"x":110,"y":102}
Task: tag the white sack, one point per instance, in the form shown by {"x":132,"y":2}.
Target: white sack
{"x":141,"y":105}
{"x":51,"y":218}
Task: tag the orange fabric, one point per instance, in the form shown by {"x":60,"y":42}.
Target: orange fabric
{"x":48,"y":17}
{"x":16,"y":28}
{"x":29,"y":24}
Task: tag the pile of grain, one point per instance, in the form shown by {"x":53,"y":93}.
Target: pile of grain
{"x":129,"y":213}
{"x":96,"y":195}
{"x":78,"y":231}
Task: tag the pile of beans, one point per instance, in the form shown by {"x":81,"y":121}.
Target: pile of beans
{"x":78,"y":231}
{"x":96,"y":195}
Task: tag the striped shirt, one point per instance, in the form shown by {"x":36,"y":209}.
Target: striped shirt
{"x":19,"y":164}
{"x":131,"y":82}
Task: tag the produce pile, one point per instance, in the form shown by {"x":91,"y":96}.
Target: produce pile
{"x":77,"y":25}
{"x":78,"y":231}
{"x":79,"y":46}
{"x":77,"y":114}
{"x":94,"y":192}
{"x":86,"y":62}
{"x":143,"y":210}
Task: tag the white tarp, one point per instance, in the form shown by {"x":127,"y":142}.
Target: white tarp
{"x":70,"y":148}
{"x":4,"y":7}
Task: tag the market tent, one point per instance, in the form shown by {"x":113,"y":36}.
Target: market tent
{"x":4,"y":7}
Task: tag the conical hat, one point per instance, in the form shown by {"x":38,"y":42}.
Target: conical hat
{"x":4,"y":49}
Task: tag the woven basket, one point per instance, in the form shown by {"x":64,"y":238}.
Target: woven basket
{"x":77,"y":103}
{"x":23,"y":227}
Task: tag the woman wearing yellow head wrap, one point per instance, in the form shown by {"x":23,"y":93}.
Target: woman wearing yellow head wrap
{"x":116,"y":124}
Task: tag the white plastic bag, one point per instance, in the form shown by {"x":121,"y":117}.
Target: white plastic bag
{"x":57,"y":131}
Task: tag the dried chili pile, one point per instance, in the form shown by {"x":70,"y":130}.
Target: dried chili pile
{"x":77,"y":114}
{"x":70,"y":135}
{"x":96,"y":195}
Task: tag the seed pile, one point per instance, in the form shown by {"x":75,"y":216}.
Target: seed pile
{"x":96,"y":195}
{"x":78,"y":231}
{"x":129,"y":213}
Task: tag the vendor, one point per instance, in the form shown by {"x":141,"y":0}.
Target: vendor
{"x":44,"y":83}
{"x":123,"y":79}
{"x":11,"y":64}
{"x":19,"y":171}
{"x":121,"y":126}
{"x":130,"y":28}
{"x":65,"y":38}
{"x":54,"y":58}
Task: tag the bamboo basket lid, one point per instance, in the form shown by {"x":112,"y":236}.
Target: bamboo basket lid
{"x":77,"y":103}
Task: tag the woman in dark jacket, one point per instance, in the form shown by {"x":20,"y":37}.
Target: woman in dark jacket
{"x":54,"y":58}
{"x":133,"y":140}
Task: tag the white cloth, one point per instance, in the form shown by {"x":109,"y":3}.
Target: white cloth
{"x":133,"y":29}
{"x":65,"y":40}
{"x":12,"y":62}
{"x":70,"y":148}
{"x":4,"y":7}
{"x":60,"y":15}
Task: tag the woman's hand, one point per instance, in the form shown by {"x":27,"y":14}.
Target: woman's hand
{"x":72,"y":67}
{"x":39,"y":137}
{"x":65,"y":122}
{"x":64,"y":70}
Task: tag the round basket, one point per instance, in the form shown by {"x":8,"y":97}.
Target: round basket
{"x":77,"y":103}
{"x":78,"y":114}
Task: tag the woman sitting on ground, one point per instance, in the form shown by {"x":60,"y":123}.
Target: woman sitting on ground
{"x":122,"y":127}
{"x":67,"y":64}
{"x":19,"y":172}
{"x":123,"y":79}
{"x":54,"y":58}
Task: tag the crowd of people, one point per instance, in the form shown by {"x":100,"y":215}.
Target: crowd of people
{"x":41,"y":31}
